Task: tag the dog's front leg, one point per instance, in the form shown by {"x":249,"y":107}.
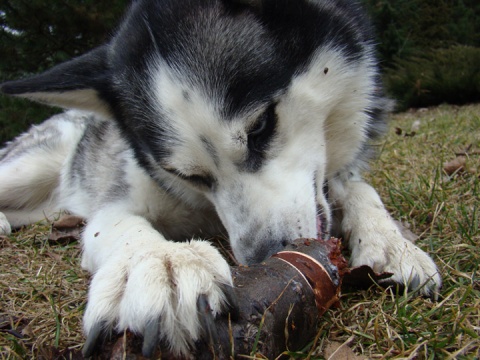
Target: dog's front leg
{"x":375,"y":240}
{"x":149,"y":285}
{"x":5,"y":228}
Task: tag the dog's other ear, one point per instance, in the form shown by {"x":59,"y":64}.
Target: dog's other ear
{"x":73,"y":84}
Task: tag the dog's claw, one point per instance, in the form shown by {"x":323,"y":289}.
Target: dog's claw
{"x":433,"y":293}
{"x":207,"y":320}
{"x":233,"y":306}
{"x":428,"y":289}
{"x":414,"y":283}
{"x":92,"y":339}
{"x":151,"y":337}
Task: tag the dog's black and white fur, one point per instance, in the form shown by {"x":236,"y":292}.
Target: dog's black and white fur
{"x":247,"y":117}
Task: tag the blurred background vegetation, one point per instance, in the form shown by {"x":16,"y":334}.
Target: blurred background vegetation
{"x":37,"y":34}
{"x":429,"y":49}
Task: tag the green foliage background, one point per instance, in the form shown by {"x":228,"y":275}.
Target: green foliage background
{"x":37,"y":34}
{"x":429,"y":49}
{"x":407,"y":27}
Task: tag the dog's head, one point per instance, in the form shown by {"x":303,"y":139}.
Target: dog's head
{"x":251,"y":103}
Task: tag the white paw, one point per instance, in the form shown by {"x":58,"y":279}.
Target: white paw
{"x":5,"y":228}
{"x":156,"y":290}
{"x":385,"y":250}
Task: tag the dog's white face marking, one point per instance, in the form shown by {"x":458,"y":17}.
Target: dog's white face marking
{"x":266,"y":205}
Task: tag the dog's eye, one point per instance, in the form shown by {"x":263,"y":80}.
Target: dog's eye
{"x":200,"y":180}
{"x":264,"y":128}
{"x":197,"y":180}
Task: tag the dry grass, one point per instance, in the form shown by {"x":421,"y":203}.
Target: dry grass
{"x":43,"y":289}
{"x":445,"y":212}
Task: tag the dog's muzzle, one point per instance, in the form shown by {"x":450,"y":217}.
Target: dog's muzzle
{"x":272,"y":246}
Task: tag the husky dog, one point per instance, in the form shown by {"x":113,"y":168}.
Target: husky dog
{"x":201,"y":117}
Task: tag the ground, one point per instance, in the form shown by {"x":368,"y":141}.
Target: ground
{"x":43,"y":289}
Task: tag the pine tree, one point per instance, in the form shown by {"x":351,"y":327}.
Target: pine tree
{"x":409,"y":27}
{"x":36,"y":34}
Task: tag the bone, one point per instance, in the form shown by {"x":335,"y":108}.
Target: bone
{"x":279,"y":304}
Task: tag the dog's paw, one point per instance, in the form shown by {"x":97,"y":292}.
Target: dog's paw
{"x":410,"y":265}
{"x":169,"y":292}
{"x":5,"y":228}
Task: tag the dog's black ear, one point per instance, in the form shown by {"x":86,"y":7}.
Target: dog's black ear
{"x":73,"y":84}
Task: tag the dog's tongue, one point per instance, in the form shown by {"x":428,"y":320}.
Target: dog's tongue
{"x":320,"y":229}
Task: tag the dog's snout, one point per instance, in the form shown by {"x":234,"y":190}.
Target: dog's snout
{"x":262,"y":251}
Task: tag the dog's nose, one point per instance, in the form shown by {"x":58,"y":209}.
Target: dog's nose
{"x":265,"y":249}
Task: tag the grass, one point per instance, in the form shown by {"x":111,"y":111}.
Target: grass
{"x":43,"y":290}
{"x":445,"y":212}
